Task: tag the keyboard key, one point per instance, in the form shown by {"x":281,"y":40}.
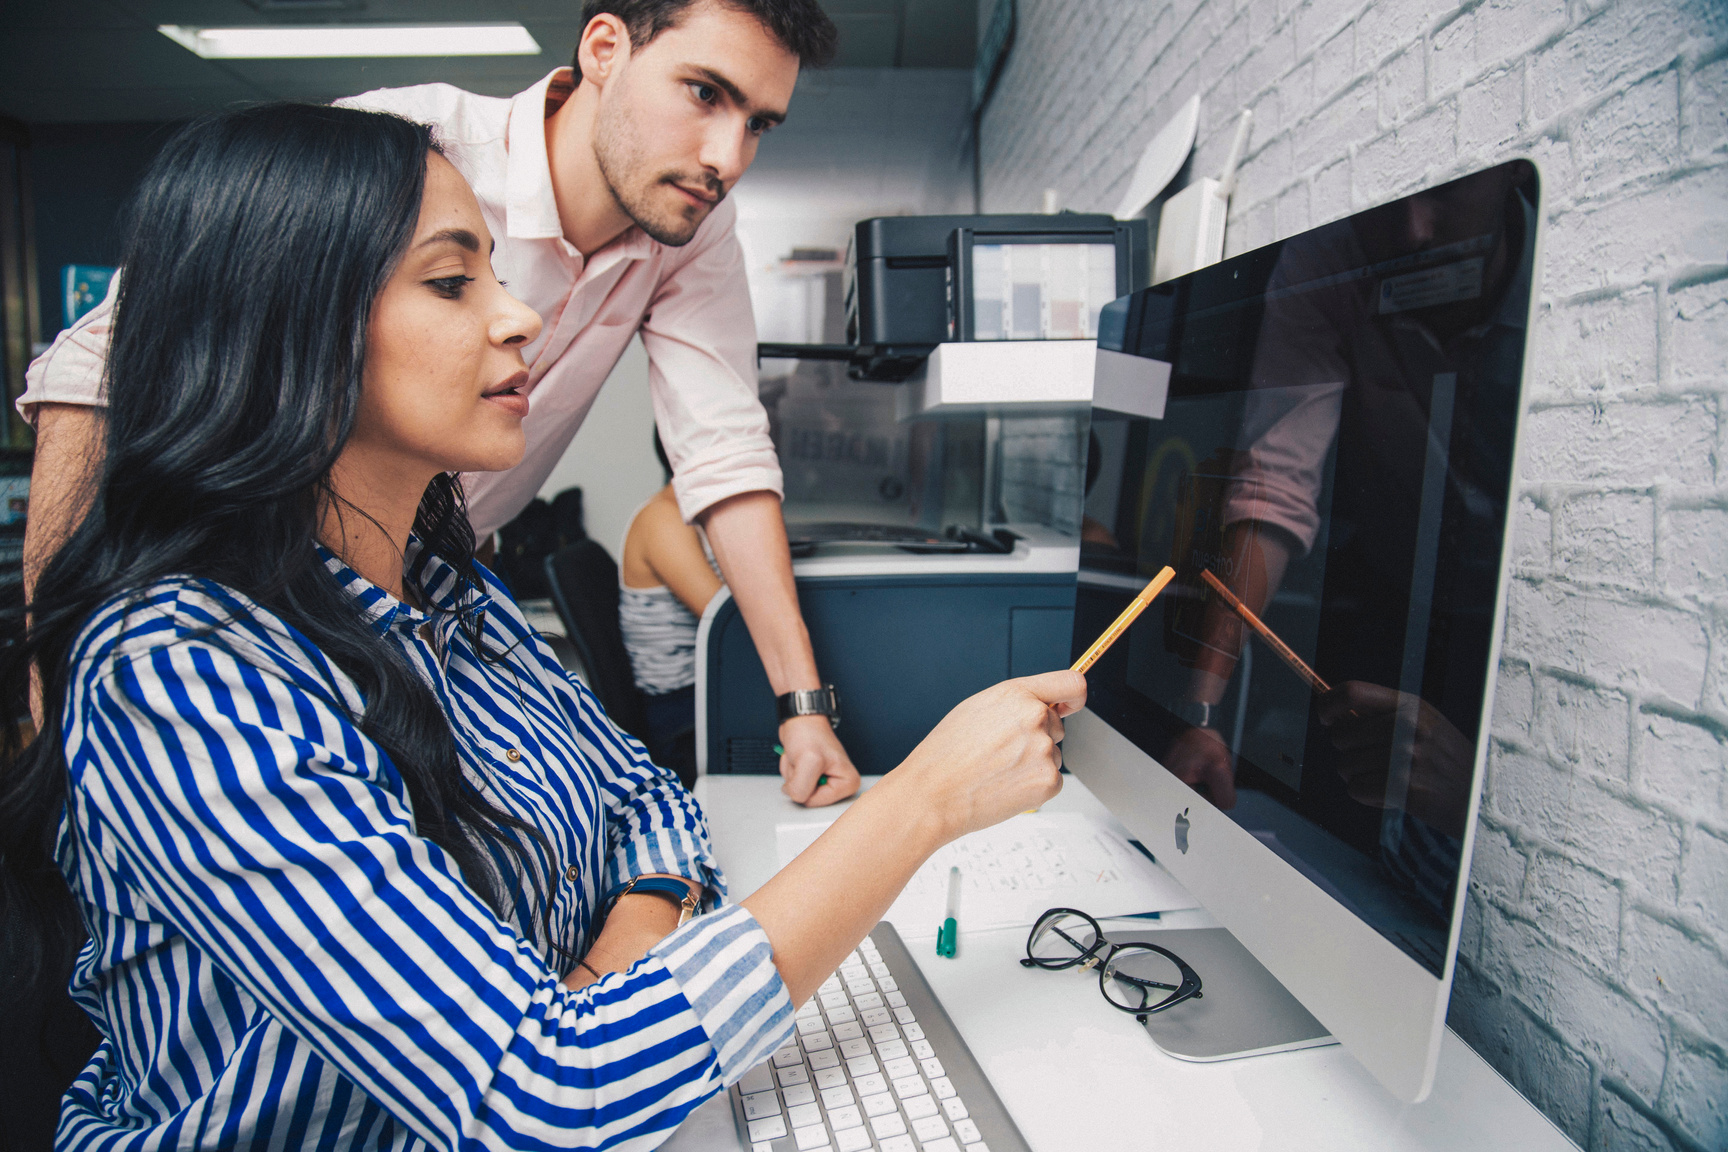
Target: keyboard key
{"x":967,"y":1131}
{"x":811,"y":1008}
{"x":770,"y":1129}
{"x":797,"y":1074}
{"x":805,"y":1115}
{"x":787,"y":1055}
{"x":883,"y":1033}
{"x":758,"y":1079}
{"x":827,"y":1058}
{"x":812,"y":1138}
{"x":956,"y":1109}
{"x":847,"y":1117}
{"x":878,"y":970}
{"x":869,"y":1085}
{"x":904,"y":1016}
{"x":878,"y":1105}
{"x":862,"y":1066}
{"x":932,"y":1067}
{"x":918,"y":1107}
{"x":832,"y":984}
{"x":760,"y":1105}
{"x":830,"y":1078}
{"x":762,"y":1146}
{"x":850,"y":1030}
{"x":872,"y":1017}
{"x":816,"y":1041}
{"x":894,"y":999}
{"x":809,"y":1024}
{"x":922,"y":1049}
{"x":941,"y":1144}
{"x":943,"y":1087}
{"x":841,"y":1015}
{"x":892,"y":1050}
{"x":888,"y":984}
{"x":913,"y":1032}
{"x":901,"y":1068}
{"x":863,"y":1003}
{"x":978,"y":1147}
{"x":850,"y":1049}
{"x":930,"y":1128}
{"x":906,"y":1087}
{"x":897,"y":1144}
{"x":799,"y":1094}
{"x":860,"y":989}
{"x":834,"y":1097}
{"x":852,"y":1139}
{"x":887,"y":1124}
{"x":834,"y":999}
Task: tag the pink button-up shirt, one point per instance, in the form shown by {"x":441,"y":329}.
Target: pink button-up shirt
{"x":690,"y":304}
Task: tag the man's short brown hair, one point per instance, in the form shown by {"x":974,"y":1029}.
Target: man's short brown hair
{"x":800,"y":25}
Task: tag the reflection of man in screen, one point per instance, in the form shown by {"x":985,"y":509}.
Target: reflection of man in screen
{"x":1352,"y":341}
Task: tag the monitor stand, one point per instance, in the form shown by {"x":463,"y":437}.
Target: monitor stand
{"x":1243,"y":1010}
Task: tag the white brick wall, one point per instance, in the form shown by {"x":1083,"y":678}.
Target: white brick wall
{"x":1594,"y":965}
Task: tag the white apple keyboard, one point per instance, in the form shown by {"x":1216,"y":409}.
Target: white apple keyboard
{"x":875,"y":1064}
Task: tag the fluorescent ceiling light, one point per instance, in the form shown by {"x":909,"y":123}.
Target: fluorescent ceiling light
{"x":303,"y":41}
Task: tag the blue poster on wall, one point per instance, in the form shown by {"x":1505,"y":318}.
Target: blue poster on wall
{"x":82,"y":287}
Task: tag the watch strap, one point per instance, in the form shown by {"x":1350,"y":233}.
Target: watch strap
{"x":823,"y":701}
{"x":685,"y":894}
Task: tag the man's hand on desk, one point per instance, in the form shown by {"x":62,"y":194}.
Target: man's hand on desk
{"x":812,"y":751}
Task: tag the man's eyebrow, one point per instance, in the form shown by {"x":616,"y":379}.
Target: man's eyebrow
{"x":455,"y":235}
{"x":736,"y":93}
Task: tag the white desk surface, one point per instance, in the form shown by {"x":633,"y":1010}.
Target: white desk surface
{"x":1078,"y":1075}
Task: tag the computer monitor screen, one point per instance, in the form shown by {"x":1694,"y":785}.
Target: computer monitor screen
{"x":1330,"y":478}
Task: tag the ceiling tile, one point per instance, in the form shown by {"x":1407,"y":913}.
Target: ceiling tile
{"x":102,"y":59}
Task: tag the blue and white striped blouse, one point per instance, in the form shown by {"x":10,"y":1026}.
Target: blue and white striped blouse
{"x":277,"y":960}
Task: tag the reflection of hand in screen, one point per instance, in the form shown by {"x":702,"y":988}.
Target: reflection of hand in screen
{"x":1199,"y":756}
{"x":1363,"y":719}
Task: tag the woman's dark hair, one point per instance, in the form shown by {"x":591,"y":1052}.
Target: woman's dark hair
{"x":256,"y":246}
{"x":660,"y":453}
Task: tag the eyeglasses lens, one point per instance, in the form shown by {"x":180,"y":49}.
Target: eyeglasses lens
{"x":1061,"y":938}
{"x":1139,"y":978}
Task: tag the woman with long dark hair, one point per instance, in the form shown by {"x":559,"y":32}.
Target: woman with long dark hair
{"x":334,"y":852}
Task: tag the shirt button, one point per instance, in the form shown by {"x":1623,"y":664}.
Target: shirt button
{"x":572,"y":873}
{"x":512,"y":755}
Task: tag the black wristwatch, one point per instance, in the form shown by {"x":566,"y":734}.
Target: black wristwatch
{"x":823,"y":701}
{"x":686,"y":896}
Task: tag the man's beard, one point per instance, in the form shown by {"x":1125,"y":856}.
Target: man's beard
{"x":621,"y":164}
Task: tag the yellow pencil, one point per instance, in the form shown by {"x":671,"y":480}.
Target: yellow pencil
{"x":1285,"y":652}
{"x":1147,"y":595}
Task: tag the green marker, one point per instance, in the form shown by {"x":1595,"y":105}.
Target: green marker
{"x":779,"y":751}
{"x":948,"y":936}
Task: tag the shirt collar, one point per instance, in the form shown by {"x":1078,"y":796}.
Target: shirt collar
{"x":530,"y":206}
{"x":446,"y":595}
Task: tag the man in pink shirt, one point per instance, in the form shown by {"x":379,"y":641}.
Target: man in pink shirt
{"x":605,"y":186}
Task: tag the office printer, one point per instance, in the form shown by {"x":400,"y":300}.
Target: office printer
{"x":934,"y":468}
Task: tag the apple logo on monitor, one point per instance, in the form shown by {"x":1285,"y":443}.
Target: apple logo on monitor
{"x":1182,"y":831}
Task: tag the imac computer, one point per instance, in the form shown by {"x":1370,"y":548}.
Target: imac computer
{"x":1320,"y":437}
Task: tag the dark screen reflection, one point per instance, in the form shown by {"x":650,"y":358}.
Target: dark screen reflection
{"x":1336,"y":453}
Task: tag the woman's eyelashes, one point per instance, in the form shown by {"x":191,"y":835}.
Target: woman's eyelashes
{"x":450,"y":287}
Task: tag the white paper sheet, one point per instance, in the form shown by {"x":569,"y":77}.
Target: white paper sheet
{"x":1011,"y":873}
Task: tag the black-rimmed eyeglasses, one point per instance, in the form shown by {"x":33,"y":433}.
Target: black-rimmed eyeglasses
{"x":1136,"y":977}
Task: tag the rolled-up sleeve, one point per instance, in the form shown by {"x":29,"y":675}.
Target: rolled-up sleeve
{"x":700,"y":335}
{"x":71,"y":370}
{"x":654,"y":825}
{"x":244,"y":810}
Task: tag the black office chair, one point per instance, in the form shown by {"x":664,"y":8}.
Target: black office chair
{"x":584,"y":582}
